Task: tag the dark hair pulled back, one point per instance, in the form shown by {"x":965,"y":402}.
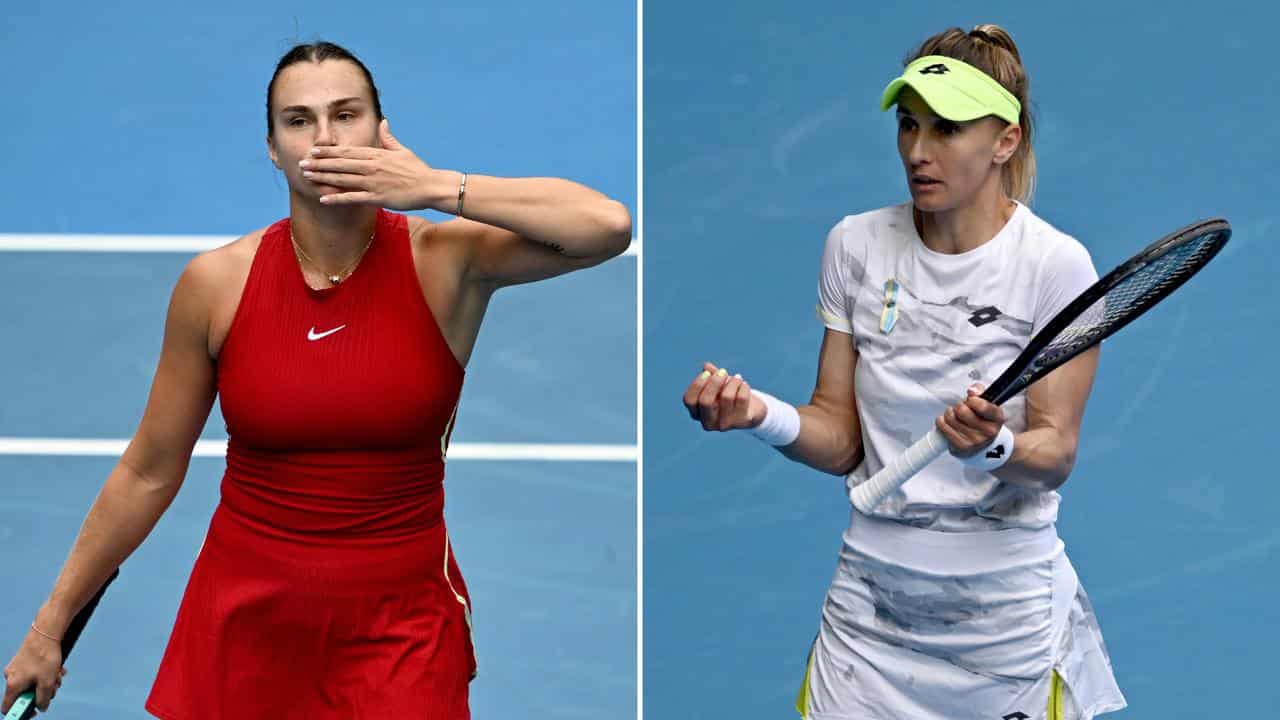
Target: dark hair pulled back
{"x":318,"y":52}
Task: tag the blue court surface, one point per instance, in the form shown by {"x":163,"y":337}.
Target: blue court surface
{"x":762,"y":130}
{"x":147,"y":119}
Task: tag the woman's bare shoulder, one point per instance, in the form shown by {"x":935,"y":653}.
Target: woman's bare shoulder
{"x":228,"y":261}
{"x":423,"y":232}
{"x":436,"y":235}
{"x":212,"y":283}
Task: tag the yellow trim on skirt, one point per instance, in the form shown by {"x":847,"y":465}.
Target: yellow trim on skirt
{"x":802,"y":700}
{"x":1054,"y":712}
{"x":1055,"y":698}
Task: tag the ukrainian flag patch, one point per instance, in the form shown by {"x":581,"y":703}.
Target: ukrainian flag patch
{"x":889,"y":313}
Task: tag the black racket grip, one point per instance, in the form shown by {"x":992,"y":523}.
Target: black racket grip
{"x":72,"y":634}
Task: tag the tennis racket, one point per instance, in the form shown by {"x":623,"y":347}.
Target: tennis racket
{"x":24,"y":708}
{"x":1108,"y":305}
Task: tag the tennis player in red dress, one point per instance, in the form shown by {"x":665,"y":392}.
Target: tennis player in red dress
{"x":337,"y":340}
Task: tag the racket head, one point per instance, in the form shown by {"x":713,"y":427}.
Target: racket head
{"x":1132,"y":288}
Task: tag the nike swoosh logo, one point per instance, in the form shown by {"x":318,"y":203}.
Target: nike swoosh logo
{"x":313,"y":335}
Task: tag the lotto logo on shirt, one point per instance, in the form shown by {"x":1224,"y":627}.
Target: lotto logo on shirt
{"x":985,"y":315}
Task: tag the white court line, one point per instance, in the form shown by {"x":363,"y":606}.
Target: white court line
{"x":42,"y":242}
{"x":218,"y":448}
{"x":39,"y":242}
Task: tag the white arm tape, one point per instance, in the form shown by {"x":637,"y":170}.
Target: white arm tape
{"x":995,"y":454}
{"x":781,"y":424}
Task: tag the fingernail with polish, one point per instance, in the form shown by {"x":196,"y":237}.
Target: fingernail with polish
{"x":721,"y":372}
{"x":705,"y":374}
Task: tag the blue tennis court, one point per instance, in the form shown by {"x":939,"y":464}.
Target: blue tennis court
{"x":762,"y":131}
{"x":140,"y":123}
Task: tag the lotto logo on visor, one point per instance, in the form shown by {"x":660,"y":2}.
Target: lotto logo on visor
{"x":954,"y":90}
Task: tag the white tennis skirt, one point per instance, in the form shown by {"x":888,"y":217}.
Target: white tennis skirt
{"x":930,"y":625}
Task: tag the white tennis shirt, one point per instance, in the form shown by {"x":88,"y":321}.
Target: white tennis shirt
{"x":926,"y":325}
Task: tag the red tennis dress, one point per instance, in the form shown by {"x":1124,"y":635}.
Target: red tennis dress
{"x":326,"y":587}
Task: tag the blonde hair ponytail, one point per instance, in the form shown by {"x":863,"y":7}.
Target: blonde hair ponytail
{"x":991,"y":49}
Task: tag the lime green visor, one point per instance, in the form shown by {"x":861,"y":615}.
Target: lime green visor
{"x":955,"y":90}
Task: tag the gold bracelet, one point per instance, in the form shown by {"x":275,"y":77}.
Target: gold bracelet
{"x":462,"y":191}
{"x":41,"y":632}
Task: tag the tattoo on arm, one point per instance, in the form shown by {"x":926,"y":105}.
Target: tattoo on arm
{"x":551,"y":245}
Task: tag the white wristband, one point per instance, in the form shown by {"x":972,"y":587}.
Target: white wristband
{"x":781,"y":424}
{"x":995,"y":454}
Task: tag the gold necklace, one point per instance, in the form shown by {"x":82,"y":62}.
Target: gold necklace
{"x":341,"y":274}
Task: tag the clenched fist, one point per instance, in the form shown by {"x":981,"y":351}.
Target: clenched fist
{"x":721,"y":401}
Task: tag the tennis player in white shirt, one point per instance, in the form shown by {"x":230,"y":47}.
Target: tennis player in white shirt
{"x":955,"y":599}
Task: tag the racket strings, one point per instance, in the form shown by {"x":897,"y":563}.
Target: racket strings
{"x":1131,"y":296}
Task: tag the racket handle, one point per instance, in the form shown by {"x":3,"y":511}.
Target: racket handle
{"x":868,"y":495}
{"x":24,"y":708}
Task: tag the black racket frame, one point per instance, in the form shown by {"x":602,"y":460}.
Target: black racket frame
{"x":1014,"y":379}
